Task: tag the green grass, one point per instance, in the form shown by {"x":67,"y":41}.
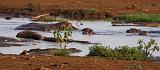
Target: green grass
{"x":50,"y":19}
{"x":139,"y":18}
{"x":61,"y":52}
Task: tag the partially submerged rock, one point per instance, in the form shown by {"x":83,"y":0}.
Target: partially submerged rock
{"x":48,"y":51}
{"x":46,"y":27}
{"x":29,"y":35}
{"x":8,"y":18}
{"x":7,"y":42}
{"x":88,"y":31}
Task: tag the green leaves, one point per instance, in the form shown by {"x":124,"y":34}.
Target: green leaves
{"x":63,"y":36}
{"x":142,"y":52}
{"x":149,"y":47}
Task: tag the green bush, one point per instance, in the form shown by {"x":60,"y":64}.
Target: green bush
{"x":123,"y":52}
{"x":142,"y":52}
{"x":98,"y":50}
{"x":133,"y":53}
{"x":61,"y":52}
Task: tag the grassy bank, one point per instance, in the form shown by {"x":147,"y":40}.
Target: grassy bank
{"x":139,"y":18}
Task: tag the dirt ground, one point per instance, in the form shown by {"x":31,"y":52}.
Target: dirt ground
{"x":116,"y":6}
{"x":13,"y":62}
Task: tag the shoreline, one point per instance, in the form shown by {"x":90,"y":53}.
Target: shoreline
{"x":42,"y":62}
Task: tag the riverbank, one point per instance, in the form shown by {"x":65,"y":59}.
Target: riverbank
{"x":37,"y":62}
{"x":79,"y":9}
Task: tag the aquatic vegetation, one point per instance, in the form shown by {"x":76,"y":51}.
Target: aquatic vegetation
{"x":139,"y":18}
{"x":142,"y":52}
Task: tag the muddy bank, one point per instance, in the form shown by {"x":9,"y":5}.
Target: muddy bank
{"x":34,"y":62}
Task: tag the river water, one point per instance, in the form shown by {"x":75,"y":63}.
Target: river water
{"x":107,"y":34}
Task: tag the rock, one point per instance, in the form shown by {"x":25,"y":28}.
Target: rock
{"x":133,"y":30}
{"x":88,"y":31}
{"x":8,"y":18}
{"x":143,"y":33}
{"x":29,"y":35}
{"x":46,"y":27}
{"x":24,"y":53}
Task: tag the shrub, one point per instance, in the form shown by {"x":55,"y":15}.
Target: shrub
{"x":61,"y":52}
{"x":149,"y":47}
{"x":62,"y":40}
{"x":123,"y":52}
{"x":98,"y":50}
{"x":133,"y":53}
{"x":141,"y":52}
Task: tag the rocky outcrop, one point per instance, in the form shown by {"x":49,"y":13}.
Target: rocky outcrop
{"x":133,"y":30}
{"x":29,"y":35}
{"x":46,"y":27}
{"x":88,"y":31}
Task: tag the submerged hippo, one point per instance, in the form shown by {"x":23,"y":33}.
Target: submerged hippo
{"x":46,"y":27}
{"x":88,"y":31}
{"x":133,"y":30}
